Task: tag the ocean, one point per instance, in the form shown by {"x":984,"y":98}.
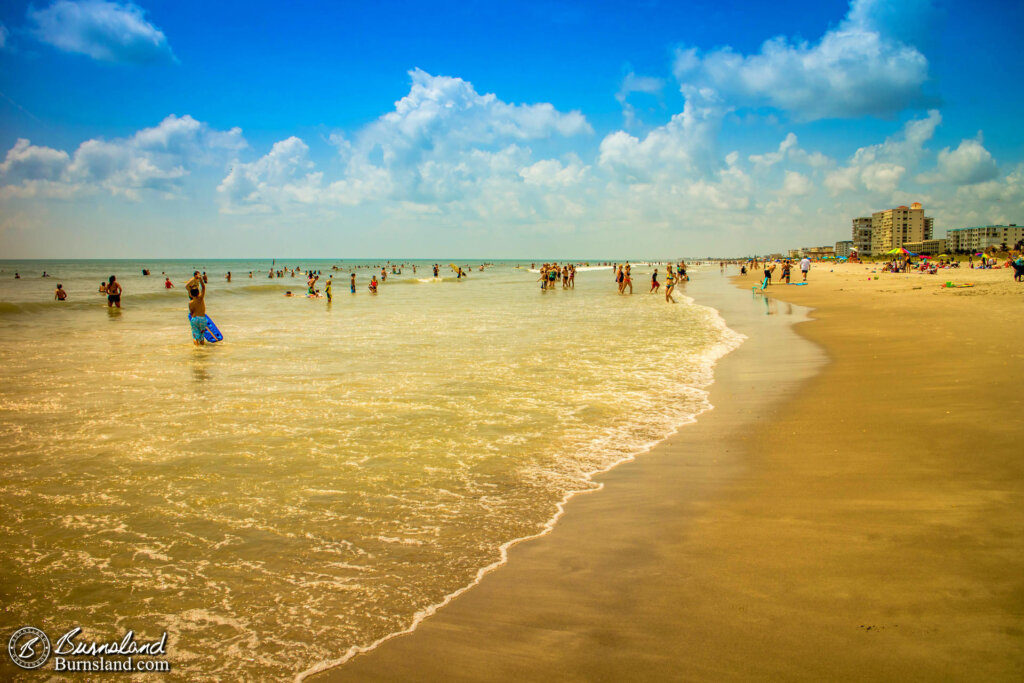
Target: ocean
{"x":328,"y":474}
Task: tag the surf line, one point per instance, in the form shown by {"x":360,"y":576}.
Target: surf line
{"x":729,"y":345}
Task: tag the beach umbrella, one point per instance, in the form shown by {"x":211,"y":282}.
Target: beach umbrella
{"x":900,"y":251}
{"x":942,"y":256}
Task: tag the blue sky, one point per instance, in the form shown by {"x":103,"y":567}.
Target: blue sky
{"x":498,"y":129}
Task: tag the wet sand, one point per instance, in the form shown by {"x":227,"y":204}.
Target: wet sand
{"x":856,"y":518}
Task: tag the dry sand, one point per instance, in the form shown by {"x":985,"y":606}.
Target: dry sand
{"x":860,"y":519}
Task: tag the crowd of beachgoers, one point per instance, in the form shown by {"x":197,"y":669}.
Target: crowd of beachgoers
{"x":551,"y":274}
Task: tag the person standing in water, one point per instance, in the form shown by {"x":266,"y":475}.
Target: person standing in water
{"x":670,"y":283}
{"x":352,"y":282}
{"x":654,"y":282}
{"x":59,"y":294}
{"x":373,"y":284}
{"x":327,"y":288}
{"x":113,"y":291}
{"x":197,"y":311}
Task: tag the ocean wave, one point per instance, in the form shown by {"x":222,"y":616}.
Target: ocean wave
{"x":593,"y":452}
{"x":24,"y":307}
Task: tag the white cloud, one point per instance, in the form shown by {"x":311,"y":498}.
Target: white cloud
{"x":797,"y":185}
{"x":282,"y":175}
{"x":789,"y":149}
{"x":685,"y":146}
{"x":880,"y":168}
{"x":157,"y":158}
{"x":449,"y":110}
{"x":26,"y":161}
{"x":882,"y":178}
{"x":853,"y":71}
{"x":631,"y":84}
{"x":968,"y":164}
{"x":106,"y":31}
{"x":552,"y":173}
{"x":442,"y":143}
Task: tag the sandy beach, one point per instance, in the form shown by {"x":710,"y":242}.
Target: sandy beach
{"x":853,"y":508}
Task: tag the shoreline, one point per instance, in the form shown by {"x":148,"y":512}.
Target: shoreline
{"x":592,"y":478}
{"x":866,"y":521}
{"x":366,"y":664}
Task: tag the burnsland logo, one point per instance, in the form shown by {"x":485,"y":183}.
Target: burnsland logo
{"x":29,"y":648}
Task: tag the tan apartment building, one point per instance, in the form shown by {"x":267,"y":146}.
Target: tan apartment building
{"x":930,"y":247}
{"x":843,"y":248}
{"x":982,"y":237}
{"x":893,"y":228}
{"x":812,"y":252}
{"x":862,"y":235}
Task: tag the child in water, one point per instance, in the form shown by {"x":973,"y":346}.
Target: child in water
{"x":373,"y":285}
{"x":197,"y":311}
{"x":59,"y":294}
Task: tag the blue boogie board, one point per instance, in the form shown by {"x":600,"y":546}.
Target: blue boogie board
{"x":212,"y":334}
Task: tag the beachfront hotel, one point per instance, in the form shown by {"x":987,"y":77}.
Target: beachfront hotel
{"x":844,"y":248}
{"x":892,"y":228}
{"x":929,"y":247}
{"x":982,"y":237}
{"x":862,"y":235}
